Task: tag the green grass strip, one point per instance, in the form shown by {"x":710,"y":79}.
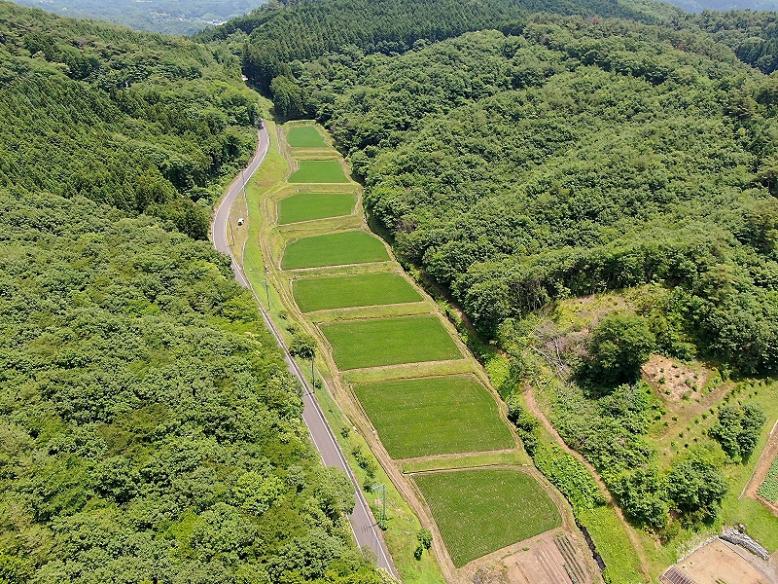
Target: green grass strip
{"x":311,"y":206}
{"x":305,"y":137}
{"x":319,"y":171}
{"x":326,"y":293}
{"x":334,"y":249}
{"x":373,"y":343}
{"x":481,"y":511}
{"x":434,"y":415}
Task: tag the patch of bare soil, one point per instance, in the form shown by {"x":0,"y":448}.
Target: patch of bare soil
{"x":720,"y":562}
{"x":674,"y":380}
{"x":550,"y":558}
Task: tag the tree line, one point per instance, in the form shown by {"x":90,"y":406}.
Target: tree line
{"x":282,"y":33}
{"x":142,"y":122}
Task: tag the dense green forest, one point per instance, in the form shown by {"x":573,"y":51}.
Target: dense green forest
{"x":279,"y":35}
{"x":143,"y":122}
{"x":574,"y":158}
{"x":165,"y":16}
{"x":149,"y":429}
{"x":752,"y":35}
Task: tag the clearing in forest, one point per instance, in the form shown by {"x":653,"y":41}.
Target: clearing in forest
{"x":373,"y":343}
{"x":312,"y":206}
{"x":319,"y":171}
{"x":434,"y":415}
{"x":334,"y":249}
{"x":305,"y":137}
{"x":326,"y":293}
{"x":482,"y":511}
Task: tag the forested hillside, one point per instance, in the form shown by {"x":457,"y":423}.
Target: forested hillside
{"x":575,"y":158}
{"x":149,"y":430}
{"x":166,"y":16}
{"x":752,"y":35}
{"x":142,"y":122}
{"x":280,"y":35}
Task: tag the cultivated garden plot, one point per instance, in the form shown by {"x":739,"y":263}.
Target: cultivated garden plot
{"x":334,"y":249}
{"x":305,"y":137}
{"x":326,"y":293}
{"x":319,"y":171}
{"x":768,"y":490}
{"x":374,"y":343}
{"x":482,"y":511}
{"x":312,"y":206}
{"x":434,"y":415}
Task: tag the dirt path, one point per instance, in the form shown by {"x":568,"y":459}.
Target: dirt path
{"x":769,"y":454}
{"x":537,"y":411}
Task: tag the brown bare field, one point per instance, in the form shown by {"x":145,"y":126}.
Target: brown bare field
{"x":719,"y":562}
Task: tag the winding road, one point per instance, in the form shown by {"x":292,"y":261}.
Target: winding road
{"x":366,"y":531}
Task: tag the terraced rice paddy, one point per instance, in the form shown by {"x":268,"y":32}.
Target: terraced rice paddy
{"x":481,"y":511}
{"x":378,"y":342}
{"x":334,"y":249}
{"x":318,"y":171}
{"x":434,"y":415}
{"x":312,"y":206}
{"x":372,"y":289}
{"x":385,"y":344}
{"x":305,"y":137}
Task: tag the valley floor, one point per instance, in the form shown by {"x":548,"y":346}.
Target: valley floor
{"x":395,"y":370}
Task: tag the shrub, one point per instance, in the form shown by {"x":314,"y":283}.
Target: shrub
{"x":696,"y":488}
{"x":737,"y":430}
{"x":618,"y":348}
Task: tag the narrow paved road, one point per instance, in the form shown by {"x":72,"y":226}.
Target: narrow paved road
{"x":366,"y":531}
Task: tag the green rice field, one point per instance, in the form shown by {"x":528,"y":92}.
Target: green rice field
{"x":319,"y":171}
{"x":304,"y":137}
{"x":353,"y":290}
{"x":334,"y":249}
{"x":434,"y":415}
{"x":373,"y":343}
{"x":311,"y":206}
{"x":481,"y":511}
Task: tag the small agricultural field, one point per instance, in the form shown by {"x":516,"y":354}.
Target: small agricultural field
{"x":482,"y":511}
{"x":304,"y":137}
{"x":312,"y":206}
{"x":768,"y":490}
{"x":334,"y":249}
{"x":328,"y":293}
{"x":374,"y":343}
{"x":434,"y":415}
{"x":319,"y":171}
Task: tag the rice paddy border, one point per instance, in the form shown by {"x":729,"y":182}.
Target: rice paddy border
{"x":338,"y":382}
